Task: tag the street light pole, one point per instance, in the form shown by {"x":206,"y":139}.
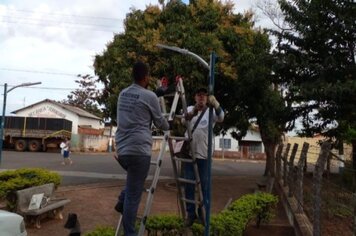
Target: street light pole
{"x":2,"y":124}
{"x":3,"y":121}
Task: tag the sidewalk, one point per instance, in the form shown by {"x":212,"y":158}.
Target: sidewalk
{"x":93,"y":203}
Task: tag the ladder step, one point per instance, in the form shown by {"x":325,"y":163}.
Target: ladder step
{"x":187,"y":160}
{"x":191,"y":201}
{"x":179,"y":138}
{"x":188,"y":181}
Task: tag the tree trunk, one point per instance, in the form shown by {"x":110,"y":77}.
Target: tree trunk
{"x":270,"y":149}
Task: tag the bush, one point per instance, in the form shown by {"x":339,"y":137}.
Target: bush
{"x":166,"y":224}
{"x":13,"y":180}
{"x":232,"y":221}
{"x":102,"y":231}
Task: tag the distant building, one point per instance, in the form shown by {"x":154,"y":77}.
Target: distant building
{"x":86,"y":127}
{"x":249,"y":147}
{"x":52,"y":109}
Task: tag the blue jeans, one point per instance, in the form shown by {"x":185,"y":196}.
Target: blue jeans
{"x":137,"y":168}
{"x":190,"y":188}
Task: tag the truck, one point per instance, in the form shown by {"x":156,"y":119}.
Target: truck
{"x":35,"y":133}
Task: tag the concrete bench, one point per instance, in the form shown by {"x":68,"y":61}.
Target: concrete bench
{"x":50,"y":205}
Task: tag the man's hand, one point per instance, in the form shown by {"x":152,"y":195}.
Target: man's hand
{"x":214,"y":102}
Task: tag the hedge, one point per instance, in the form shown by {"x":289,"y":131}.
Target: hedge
{"x":232,"y":221}
{"x":102,"y":231}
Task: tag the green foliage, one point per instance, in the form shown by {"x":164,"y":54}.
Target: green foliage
{"x":316,"y":62}
{"x":198,"y":229}
{"x":86,"y":96}
{"x":201,"y":27}
{"x":235,"y":219}
{"x":166,"y":224}
{"x":102,"y":231}
{"x":13,"y":180}
{"x":232,"y":221}
{"x":243,"y":66}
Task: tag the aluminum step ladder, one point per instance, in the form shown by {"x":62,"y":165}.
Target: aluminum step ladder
{"x":177,"y":162}
{"x":168,"y":140}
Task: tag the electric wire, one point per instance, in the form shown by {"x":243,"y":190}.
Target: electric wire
{"x":34,"y":20}
{"x":58,"y":26}
{"x":38,"y":72}
{"x":45,"y":88}
{"x":60,"y":14}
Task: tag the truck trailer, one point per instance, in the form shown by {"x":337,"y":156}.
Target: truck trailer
{"x":35,"y":133}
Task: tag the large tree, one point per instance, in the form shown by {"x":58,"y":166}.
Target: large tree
{"x":317,"y":65}
{"x":85,"y":96}
{"x":243,"y":78}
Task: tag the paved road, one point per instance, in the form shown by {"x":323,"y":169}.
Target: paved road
{"x":93,"y":167}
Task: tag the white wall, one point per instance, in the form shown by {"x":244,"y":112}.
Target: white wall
{"x":95,"y":124}
{"x":250,"y":136}
{"x":234,"y":142}
{"x":50,"y":110}
{"x":94,"y":143}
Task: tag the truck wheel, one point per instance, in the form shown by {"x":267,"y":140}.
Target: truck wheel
{"x":20,"y":145}
{"x":34,"y":145}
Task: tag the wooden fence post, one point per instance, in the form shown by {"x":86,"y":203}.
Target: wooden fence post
{"x":300,"y":176}
{"x":278,"y":161}
{"x":291,"y":170}
{"x":317,"y":182}
{"x":285,"y":158}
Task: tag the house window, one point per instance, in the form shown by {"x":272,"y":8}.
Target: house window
{"x":255,"y":148}
{"x":226,"y":142}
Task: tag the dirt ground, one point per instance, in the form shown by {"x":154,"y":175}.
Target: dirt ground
{"x":94,"y":205}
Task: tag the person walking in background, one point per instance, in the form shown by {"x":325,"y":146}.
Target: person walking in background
{"x":199,"y":120}
{"x":62,"y":145}
{"x":65,"y":146}
{"x":137,"y":108}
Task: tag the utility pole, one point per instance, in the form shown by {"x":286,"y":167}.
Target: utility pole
{"x":2,"y":124}
{"x":3,"y":121}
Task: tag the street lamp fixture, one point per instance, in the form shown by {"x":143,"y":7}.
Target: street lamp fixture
{"x":2,"y":124}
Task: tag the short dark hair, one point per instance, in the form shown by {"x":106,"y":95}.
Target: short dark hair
{"x":201,"y":90}
{"x":139,"y":71}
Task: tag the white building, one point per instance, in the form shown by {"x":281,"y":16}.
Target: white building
{"x":51,"y":109}
{"x":250,"y":146}
{"x":83,"y":122}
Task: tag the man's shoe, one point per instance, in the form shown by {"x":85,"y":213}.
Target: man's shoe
{"x":119,"y":207}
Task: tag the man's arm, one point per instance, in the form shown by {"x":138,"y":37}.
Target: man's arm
{"x":158,"y":119}
{"x":219,"y":112}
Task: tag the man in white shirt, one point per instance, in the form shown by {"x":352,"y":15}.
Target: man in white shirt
{"x":200,"y":145}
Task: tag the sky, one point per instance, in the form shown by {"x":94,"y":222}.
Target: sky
{"x":53,"y":41}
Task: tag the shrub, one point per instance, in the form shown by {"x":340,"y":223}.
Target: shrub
{"x":166,"y":224}
{"x":232,"y":221}
{"x":13,"y":180}
{"x":102,"y":231}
